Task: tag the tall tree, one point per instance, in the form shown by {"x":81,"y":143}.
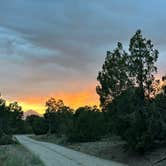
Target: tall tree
{"x":142,"y":63}
{"x":16,"y":116}
{"x":17,"y":110}
{"x":4,"y":122}
{"x":57,"y":115}
{"x":114,"y":77}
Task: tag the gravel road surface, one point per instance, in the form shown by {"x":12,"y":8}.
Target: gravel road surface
{"x":55,"y":155}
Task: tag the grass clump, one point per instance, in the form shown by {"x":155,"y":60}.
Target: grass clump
{"x":16,"y":155}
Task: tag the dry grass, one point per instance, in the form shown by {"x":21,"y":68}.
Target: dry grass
{"x":50,"y":138}
{"x":16,"y":155}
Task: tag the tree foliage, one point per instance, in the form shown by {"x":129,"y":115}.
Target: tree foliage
{"x":114,"y":77}
{"x":137,"y":110}
{"x":143,"y":57}
{"x":11,"y":117}
{"x":39,"y":126}
{"x":88,"y":125}
{"x":58,"y":116}
{"x":11,"y":121}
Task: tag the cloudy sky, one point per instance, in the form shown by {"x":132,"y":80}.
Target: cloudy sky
{"x":56,"y":47}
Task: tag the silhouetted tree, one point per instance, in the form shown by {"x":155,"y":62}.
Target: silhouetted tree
{"x":16,"y":117}
{"x":11,"y":121}
{"x":129,"y":82}
{"x":142,"y":63}
{"x":57,"y":115}
{"x":114,"y":77}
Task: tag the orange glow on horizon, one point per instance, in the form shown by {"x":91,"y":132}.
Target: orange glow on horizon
{"x":74,"y":100}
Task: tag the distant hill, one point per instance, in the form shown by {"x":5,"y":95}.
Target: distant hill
{"x":31,"y":112}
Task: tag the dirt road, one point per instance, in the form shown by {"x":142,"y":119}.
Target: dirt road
{"x":55,"y":155}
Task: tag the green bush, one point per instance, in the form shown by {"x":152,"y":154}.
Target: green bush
{"x":35,"y":124}
{"x":87,"y":125}
{"x":6,"y":139}
{"x":140,"y":126}
{"x":40,"y":126}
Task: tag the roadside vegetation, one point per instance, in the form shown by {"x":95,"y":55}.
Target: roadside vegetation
{"x":11,"y":122}
{"x":16,"y":155}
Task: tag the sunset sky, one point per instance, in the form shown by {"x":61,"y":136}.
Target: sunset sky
{"x":56,"y":47}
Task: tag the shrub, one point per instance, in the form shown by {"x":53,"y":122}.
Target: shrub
{"x":6,"y":139}
{"x":87,"y":125}
{"x":39,"y":126}
{"x":139,"y":125}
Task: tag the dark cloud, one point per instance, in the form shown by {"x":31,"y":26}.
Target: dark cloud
{"x":45,"y":45}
